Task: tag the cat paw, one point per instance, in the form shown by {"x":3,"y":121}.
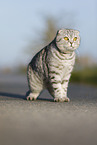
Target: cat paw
{"x":62,"y":99}
{"x":66,"y":99}
{"x":30,"y":98}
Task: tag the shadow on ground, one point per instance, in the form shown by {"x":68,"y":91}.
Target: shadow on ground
{"x":76,"y":93}
{"x":41,"y":97}
{"x":12,"y":95}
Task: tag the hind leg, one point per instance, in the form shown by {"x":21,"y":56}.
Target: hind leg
{"x":35,"y":85}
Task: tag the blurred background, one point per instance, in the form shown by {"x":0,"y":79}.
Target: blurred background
{"x":26,"y":26}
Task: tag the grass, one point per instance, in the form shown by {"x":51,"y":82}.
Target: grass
{"x":86,"y":76}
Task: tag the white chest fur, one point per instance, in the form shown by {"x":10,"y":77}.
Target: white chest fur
{"x":61,"y":63}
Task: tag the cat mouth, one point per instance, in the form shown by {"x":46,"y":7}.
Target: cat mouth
{"x":70,"y":50}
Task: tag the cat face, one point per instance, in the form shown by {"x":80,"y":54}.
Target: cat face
{"x":67,"y":40}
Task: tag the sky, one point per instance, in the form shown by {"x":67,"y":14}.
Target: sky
{"x":20,"y":20}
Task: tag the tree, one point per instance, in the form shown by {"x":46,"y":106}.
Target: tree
{"x":50,"y":31}
{"x":44,"y":37}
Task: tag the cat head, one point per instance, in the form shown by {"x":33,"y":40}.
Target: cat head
{"x":67,"y":40}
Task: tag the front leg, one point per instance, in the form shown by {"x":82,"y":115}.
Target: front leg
{"x":56,"y":89}
{"x":64,"y":85}
{"x":61,"y":95}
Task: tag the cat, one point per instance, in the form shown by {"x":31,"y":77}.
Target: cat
{"x":51,"y":67}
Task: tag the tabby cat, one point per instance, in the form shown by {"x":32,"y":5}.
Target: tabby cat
{"x":51,"y":67}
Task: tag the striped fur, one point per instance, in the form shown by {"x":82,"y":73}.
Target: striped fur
{"x":51,"y":67}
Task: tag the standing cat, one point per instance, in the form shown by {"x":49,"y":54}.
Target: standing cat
{"x":51,"y":67}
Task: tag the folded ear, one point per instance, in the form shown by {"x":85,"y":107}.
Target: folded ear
{"x":60,"y":31}
{"x":77,"y":32}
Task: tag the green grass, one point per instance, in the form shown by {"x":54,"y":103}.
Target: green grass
{"x":86,"y":75}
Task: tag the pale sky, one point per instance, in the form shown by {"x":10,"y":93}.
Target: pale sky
{"x":21,"y":19}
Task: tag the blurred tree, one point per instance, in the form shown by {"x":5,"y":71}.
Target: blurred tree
{"x":50,"y":31}
{"x":44,"y":37}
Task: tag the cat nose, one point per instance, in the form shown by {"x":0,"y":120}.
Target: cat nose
{"x":71,"y":43}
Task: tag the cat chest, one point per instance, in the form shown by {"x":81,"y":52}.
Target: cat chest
{"x":66,"y":70}
{"x":63,"y":68}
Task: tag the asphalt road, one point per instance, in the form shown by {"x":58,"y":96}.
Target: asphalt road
{"x":44,"y":122}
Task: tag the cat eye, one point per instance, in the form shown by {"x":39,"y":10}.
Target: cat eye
{"x":66,"y":38}
{"x":75,"y":38}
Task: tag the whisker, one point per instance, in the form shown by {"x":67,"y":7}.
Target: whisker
{"x":78,"y":55}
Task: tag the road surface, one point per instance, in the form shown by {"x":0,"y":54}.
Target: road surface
{"x":44,"y":122}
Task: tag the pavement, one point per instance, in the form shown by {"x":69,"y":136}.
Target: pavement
{"x":44,"y":122}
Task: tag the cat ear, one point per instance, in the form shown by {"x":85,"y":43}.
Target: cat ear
{"x":77,"y":32}
{"x":60,"y":31}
